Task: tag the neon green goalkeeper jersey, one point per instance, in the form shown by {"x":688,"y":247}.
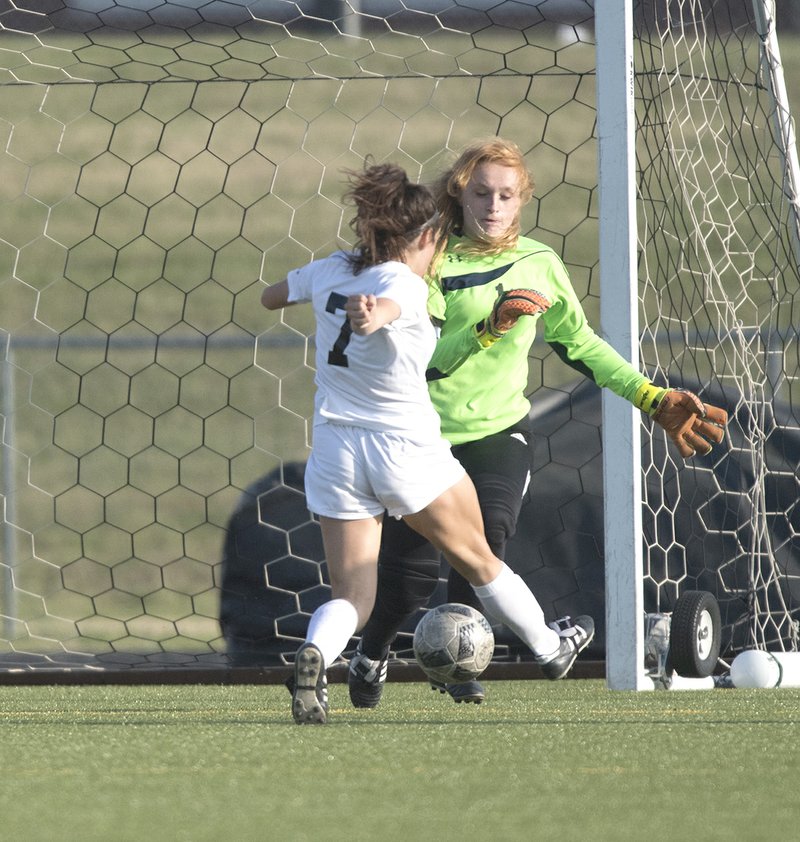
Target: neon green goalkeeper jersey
{"x":479,"y":391}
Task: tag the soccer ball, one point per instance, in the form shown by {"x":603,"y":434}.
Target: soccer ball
{"x":453,"y":643}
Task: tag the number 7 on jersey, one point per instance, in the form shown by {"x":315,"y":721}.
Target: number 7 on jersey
{"x":337,"y":356}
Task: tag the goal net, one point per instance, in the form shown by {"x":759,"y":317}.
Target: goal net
{"x":161,"y":160}
{"x":719,"y":218}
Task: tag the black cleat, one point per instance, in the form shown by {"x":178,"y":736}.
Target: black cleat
{"x":575,"y":637}
{"x":366,"y":677}
{"x":466,"y":691}
{"x":310,"y":689}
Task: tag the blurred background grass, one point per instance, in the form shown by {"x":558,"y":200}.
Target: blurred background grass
{"x":149,"y":386}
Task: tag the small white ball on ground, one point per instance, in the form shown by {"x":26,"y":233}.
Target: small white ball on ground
{"x":755,"y":668}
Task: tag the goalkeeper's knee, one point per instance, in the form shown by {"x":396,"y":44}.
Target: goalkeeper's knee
{"x":406,"y":583}
{"x":499,"y":525}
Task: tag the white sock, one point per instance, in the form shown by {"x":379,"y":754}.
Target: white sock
{"x":330,"y":628}
{"x":510,"y":600}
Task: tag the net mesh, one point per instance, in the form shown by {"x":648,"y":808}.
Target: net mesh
{"x":719,"y":279}
{"x":161,"y":159}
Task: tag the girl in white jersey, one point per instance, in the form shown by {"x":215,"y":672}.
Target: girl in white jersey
{"x":377,"y":443}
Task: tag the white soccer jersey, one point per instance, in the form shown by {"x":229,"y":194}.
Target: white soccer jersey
{"x":376,"y":381}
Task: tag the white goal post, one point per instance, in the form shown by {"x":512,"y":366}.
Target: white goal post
{"x":619,"y":309}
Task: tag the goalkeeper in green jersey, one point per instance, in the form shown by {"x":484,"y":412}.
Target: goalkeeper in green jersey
{"x":491,"y":291}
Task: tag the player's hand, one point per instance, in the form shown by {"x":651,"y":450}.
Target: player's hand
{"x":513,"y":304}
{"x":691,"y":424}
{"x":360,"y":310}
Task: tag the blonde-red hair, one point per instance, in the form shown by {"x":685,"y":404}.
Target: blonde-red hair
{"x":449,"y":188}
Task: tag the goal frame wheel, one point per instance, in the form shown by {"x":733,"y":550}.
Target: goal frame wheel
{"x":695,"y":632}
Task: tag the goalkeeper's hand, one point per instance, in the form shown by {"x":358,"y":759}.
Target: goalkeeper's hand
{"x":507,"y":310}
{"x":691,"y":424}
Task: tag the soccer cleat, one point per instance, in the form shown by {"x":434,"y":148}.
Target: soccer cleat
{"x":310,"y":691}
{"x":466,"y":691}
{"x":575,"y":637}
{"x":366,"y":677}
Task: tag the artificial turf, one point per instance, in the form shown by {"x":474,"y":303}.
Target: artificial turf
{"x":569,"y":760}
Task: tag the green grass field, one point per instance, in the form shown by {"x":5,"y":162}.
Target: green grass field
{"x":539,"y":760}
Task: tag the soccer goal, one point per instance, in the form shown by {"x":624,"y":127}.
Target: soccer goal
{"x":703,"y":207}
{"x":161,"y":160}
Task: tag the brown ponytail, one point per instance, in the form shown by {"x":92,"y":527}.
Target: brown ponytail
{"x":391,"y":212}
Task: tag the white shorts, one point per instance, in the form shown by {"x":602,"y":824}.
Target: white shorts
{"x":354,"y":473}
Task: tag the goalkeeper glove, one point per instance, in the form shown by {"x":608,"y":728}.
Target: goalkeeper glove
{"x":691,"y":424}
{"x":507,"y":309}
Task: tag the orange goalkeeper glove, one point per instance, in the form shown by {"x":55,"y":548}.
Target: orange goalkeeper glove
{"x":507,"y":309}
{"x":691,"y":424}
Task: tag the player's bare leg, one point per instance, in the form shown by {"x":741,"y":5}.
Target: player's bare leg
{"x":351,"y":550}
{"x":453,"y":524}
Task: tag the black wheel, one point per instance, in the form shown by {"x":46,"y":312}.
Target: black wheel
{"x":694,"y":637}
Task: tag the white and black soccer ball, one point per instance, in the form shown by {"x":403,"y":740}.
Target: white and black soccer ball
{"x":453,"y":643}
